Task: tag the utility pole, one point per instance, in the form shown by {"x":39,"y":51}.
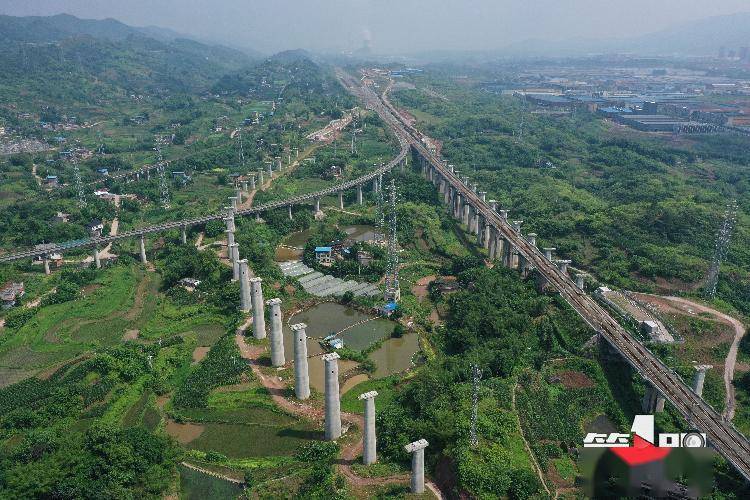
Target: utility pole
{"x":723,"y":238}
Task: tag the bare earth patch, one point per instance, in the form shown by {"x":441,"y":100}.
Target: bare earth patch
{"x":573,"y":380}
{"x":199,"y":353}
{"x":184,"y":433}
{"x":130,"y":335}
{"x":420,"y":287}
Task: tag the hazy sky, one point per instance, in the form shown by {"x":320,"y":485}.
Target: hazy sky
{"x":392,"y":25}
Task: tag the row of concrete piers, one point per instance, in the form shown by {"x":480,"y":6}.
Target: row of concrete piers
{"x":252,"y":287}
{"x":503,"y":250}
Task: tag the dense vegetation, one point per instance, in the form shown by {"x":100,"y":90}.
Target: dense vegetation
{"x":60,"y":447}
{"x":635,"y":210}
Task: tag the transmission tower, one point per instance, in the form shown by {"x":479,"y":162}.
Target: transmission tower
{"x":79,"y":185}
{"x":381,"y":216}
{"x":160,"y":168}
{"x":392,"y":288}
{"x":240,"y":149}
{"x":477,"y":376}
{"x":723,"y":238}
{"x":100,"y":150}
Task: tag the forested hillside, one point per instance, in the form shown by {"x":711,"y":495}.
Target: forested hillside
{"x":638,"y":211}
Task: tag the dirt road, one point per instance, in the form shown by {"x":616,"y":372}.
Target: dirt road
{"x":349,"y":452}
{"x":731,"y":360}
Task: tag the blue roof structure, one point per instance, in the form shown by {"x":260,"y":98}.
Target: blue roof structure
{"x":322,"y":249}
{"x":390,"y":307}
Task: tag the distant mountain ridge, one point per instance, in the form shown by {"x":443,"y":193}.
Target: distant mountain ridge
{"x":50,"y":29}
{"x":697,"y":38}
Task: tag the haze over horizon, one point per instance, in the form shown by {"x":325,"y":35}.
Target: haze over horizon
{"x":389,"y":25}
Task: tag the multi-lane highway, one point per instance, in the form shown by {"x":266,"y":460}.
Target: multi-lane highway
{"x":722,"y":435}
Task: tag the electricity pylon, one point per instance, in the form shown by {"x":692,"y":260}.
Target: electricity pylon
{"x":723,"y":238}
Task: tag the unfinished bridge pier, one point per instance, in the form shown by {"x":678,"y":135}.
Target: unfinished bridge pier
{"x":332,"y":397}
{"x":369,"y":452}
{"x":417,"y":464}
{"x":259,"y":320}
{"x":277,"y":335}
{"x":301,"y":370}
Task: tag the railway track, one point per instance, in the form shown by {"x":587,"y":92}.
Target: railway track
{"x":722,"y":435}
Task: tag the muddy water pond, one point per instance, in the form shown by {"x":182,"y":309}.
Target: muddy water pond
{"x":356,"y":232}
{"x":360,"y":331}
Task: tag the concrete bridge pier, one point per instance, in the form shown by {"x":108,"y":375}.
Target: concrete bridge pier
{"x":97,"y":261}
{"x":417,"y":464}
{"x":507,"y":253}
{"x":46,"y":265}
{"x":514,"y":258}
{"x":317,"y":206}
{"x":238,"y":195}
{"x":245,"y":295}
{"x":493,"y":205}
{"x":252,"y":182}
{"x":341,"y":200}
{"x":465,"y":215}
{"x":230,"y":242}
{"x":270,"y":170}
{"x":234,"y":256}
{"x":492,"y":250}
{"x":183,"y":235}
{"x":332,"y":398}
{"x":700,"y":378}
{"x":244,"y":186}
{"x":277,"y":336}
{"x":563,"y":266}
{"x":581,"y":281}
{"x":475,"y":222}
{"x":487,"y":237}
{"x":259,"y":319}
{"x":301,"y":371}
{"x":531,"y":238}
{"x":517,"y":226}
{"x":375,"y":185}
{"x":143,"y":249}
{"x":653,"y":401}
{"x":480,"y":230}
{"x":290,"y":212}
{"x":260,"y":177}
{"x":369,"y":452}
{"x":504,"y":213}
{"x":548,"y":253}
{"x":483,"y":195}
{"x":523,"y":264}
{"x":233,"y":202}
{"x":474,"y":187}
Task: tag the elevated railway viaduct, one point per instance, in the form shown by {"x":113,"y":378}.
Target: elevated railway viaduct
{"x":504,"y":240}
